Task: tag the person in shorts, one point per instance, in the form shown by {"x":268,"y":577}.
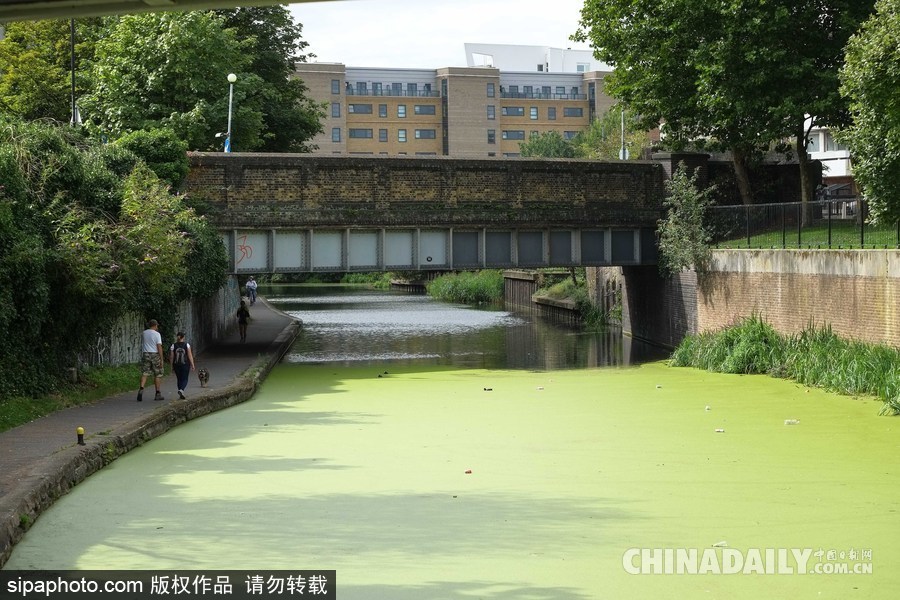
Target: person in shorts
{"x":151,"y":358}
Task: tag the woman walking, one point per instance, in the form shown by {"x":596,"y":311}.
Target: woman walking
{"x":182,"y":359}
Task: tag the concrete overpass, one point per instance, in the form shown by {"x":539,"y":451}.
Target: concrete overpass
{"x":26,"y":10}
{"x":303,"y":213}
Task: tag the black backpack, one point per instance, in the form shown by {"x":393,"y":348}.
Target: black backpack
{"x":180,"y":354}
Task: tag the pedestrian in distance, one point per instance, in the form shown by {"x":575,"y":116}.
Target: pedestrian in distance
{"x":151,"y":358}
{"x":181,"y":358}
{"x":243,"y":317}
{"x":251,"y":290}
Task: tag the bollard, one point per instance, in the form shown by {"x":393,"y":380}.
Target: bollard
{"x":80,"y":432}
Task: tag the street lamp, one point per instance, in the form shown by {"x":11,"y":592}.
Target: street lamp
{"x":231,"y":79}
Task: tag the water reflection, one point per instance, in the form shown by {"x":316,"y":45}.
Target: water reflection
{"x":353,"y":325}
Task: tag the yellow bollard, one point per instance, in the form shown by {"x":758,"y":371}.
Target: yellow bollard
{"x":80,"y":432}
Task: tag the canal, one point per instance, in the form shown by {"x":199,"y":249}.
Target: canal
{"x":432,"y":451}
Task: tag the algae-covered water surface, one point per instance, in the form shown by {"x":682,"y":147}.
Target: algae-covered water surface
{"x":420,"y":481}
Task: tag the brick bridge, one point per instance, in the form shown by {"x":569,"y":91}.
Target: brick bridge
{"x":294,"y":212}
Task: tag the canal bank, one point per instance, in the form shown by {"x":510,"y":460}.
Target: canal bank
{"x":42,"y":460}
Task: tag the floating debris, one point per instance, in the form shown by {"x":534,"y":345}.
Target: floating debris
{"x":792,"y":421}
{"x":489,"y":389}
{"x":707,"y":407}
{"x":722,"y":544}
{"x":720,"y":431}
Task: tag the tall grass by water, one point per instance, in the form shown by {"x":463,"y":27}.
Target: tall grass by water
{"x":480,"y":287}
{"x":815,"y":357}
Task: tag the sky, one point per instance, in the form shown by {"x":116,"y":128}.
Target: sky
{"x":429,"y":33}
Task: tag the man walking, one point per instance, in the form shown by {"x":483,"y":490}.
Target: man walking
{"x":151,"y":358}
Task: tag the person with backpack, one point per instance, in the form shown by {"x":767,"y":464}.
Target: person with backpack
{"x":182,"y":359}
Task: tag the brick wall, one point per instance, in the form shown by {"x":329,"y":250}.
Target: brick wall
{"x":856,"y":292}
{"x":662,"y":311}
{"x":295,"y":190}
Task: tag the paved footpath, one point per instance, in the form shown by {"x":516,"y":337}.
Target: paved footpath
{"x":41,"y":460}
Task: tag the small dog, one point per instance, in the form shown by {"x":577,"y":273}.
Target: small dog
{"x":203,"y":375}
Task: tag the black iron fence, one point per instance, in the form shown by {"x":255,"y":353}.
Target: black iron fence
{"x":837,"y":224}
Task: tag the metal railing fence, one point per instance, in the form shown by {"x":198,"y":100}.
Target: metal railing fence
{"x":835,"y":224}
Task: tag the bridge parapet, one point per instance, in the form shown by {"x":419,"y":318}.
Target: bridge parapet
{"x":297,"y":190}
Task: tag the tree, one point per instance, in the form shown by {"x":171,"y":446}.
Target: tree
{"x":290,"y":118}
{"x":742,"y":72}
{"x":34,"y":62}
{"x":168,"y":70}
{"x":683,"y":239}
{"x":161,"y":150}
{"x":549,"y":144}
{"x":870,"y":80}
{"x":602,"y":140}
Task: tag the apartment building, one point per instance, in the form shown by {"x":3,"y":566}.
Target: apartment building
{"x":472,"y":111}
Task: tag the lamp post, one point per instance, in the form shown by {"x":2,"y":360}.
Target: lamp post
{"x":231,"y":79}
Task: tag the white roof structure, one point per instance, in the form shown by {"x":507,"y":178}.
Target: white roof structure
{"x":514,"y":57}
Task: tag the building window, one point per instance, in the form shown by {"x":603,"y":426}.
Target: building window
{"x":425,"y":134}
{"x":575,"y":91}
{"x":528,"y":91}
{"x":401,"y":135}
{"x":561,"y":90}
{"x":571,"y":111}
{"x":401,"y":111}
{"x":545,"y":91}
{"x":551,"y":113}
{"x":382,"y":110}
{"x":426,"y":153}
{"x":534,"y":113}
{"x":335,"y":134}
{"x":382,"y":135}
{"x":412,"y":89}
{"x":491,"y":112}
{"x":568,"y":135}
{"x":396,"y":89}
{"x":360,"y":133}
{"x":490,"y":90}
{"x":814,"y":145}
{"x":540,"y":67}
{"x":359,"y":109}
{"x":513,"y":111}
{"x":424,"y":109}
{"x":361,"y":88}
{"x":513,"y":134}
{"x":492,"y":136}
{"x":336,"y":110}
{"x":335,"y":86}
{"x":582,"y":67}
{"x":376,"y":89}
{"x":535,"y":134}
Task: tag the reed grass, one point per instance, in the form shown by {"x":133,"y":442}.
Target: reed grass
{"x":815,"y":357}
{"x":479,"y":287}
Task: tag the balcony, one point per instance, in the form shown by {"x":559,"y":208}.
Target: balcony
{"x":394,"y":93}
{"x":542,"y":96}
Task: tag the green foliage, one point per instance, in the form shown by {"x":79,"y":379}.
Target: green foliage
{"x":80,"y":245}
{"x":94,"y":384}
{"x":380,"y":281}
{"x":549,"y":144}
{"x":683,"y":238}
{"x":168,"y":70}
{"x":34,"y":61}
{"x":744,"y":73}
{"x":815,"y":357}
{"x":870,"y":81}
{"x":289,"y":117}
{"x":603,"y":139}
{"x":161,"y":150}
{"x":480,"y":287}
